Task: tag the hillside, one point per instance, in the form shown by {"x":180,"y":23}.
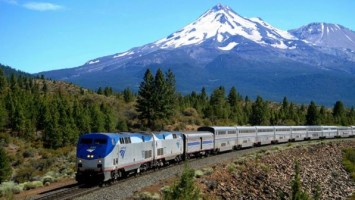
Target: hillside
{"x":268,"y":174}
{"x":8,"y":71}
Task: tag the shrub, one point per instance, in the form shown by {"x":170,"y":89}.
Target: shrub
{"x":6,"y":188}
{"x":5,"y":167}
{"x":207,"y":171}
{"x":199,"y":173}
{"x":28,"y":153}
{"x":25,"y":173}
{"x":190,"y":112}
{"x":184,"y":189}
{"x":231,"y":167}
{"x":32,"y":185}
{"x":349,"y":161}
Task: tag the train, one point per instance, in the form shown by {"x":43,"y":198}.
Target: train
{"x":103,"y":157}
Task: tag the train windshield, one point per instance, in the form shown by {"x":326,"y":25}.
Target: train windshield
{"x":86,"y":141}
{"x":100,"y":141}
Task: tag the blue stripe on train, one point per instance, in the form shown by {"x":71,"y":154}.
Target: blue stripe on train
{"x":198,"y":143}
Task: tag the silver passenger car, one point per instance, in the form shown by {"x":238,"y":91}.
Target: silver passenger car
{"x":225,"y":137}
{"x":246,"y":136}
{"x":282,"y":134}
{"x":264,"y":135}
{"x":197,"y":143}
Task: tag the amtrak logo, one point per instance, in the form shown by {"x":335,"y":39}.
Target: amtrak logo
{"x":122,"y":151}
{"x":91,"y":149}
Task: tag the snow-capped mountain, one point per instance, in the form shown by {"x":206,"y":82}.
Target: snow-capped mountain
{"x":220,"y":23}
{"x":326,"y":35}
{"x":224,"y":48}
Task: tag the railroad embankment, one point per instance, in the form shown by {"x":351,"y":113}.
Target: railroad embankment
{"x":268,"y":173}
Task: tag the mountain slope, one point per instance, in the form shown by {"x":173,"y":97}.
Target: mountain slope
{"x":223,"y":48}
{"x":326,"y":35}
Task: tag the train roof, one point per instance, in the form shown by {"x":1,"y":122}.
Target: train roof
{"x":190,"y":134}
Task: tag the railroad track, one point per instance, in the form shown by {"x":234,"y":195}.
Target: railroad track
{"x":75,"y":190}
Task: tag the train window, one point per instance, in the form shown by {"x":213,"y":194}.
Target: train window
{"x":129,"y":140}
{"x":126,"y":140}
{"x":221,"y":132}
{"x":163,"y":136}
{"x":174,"y":136}
{"x":100,"y":141}
{"x":121,"y":140}
{"x":86,"y":141}
{"x":232,"y":132}
{"x":143,"y":139}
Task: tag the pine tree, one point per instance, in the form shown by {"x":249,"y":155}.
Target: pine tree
{"x":170,"y":94}
{"x":128,"y":95}
{"x":339,"y":113}
{"x":156,"y":101}
{"x":3,"y":115}
{"x":232,"y":97}
{"x":5,"y":167}
{"x":3,"y":82}
{"x":145,"y":99}
{"x":259,"y":113}
{"x":218,"y":104}
{"x":312,"y":117}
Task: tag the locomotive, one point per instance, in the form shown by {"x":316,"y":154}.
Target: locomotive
{"x":104,"y":157}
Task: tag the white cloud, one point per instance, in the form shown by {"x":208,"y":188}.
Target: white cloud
{"x":42,"y":6}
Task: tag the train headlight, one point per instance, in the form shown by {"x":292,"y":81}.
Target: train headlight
{"x":99,"y":161}
{"x":79,"y":161}
{"x":88,"y":156}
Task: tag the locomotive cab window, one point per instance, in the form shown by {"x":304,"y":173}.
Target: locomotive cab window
{"x":100,"y":141}
{"x":86,"y":141}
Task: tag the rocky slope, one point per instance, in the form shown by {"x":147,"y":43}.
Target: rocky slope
{"x":268,"y":174}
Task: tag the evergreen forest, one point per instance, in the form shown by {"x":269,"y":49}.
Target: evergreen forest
{"x":41,"y":119}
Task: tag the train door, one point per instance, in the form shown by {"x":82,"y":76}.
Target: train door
{"x":200,"y":143}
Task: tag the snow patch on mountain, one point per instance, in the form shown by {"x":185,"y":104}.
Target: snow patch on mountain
{"x":124,"y":54}
{"x":93,"y":62}
{"x":229,"y":46}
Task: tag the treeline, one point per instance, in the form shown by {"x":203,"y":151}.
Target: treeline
{"x":30,"y":109}
{"x":56,"y":113}
{"x":232,"y":108}
{"x":157,"y":107}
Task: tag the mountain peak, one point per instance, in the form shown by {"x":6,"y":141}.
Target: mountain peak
{"x":220,"y":24}
{"x":326,"y":35}
{"x":219,"y":7}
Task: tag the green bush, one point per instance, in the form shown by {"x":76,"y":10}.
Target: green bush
{"x":349,"y":161}
{"x":208,"y":170}
{"x":184,"y":189}
{"x":199,"y":173}
{"x":231,"y":167}
{"x":32,"y":185}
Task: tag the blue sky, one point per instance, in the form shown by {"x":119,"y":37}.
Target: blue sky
{"x":45,"y":35}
